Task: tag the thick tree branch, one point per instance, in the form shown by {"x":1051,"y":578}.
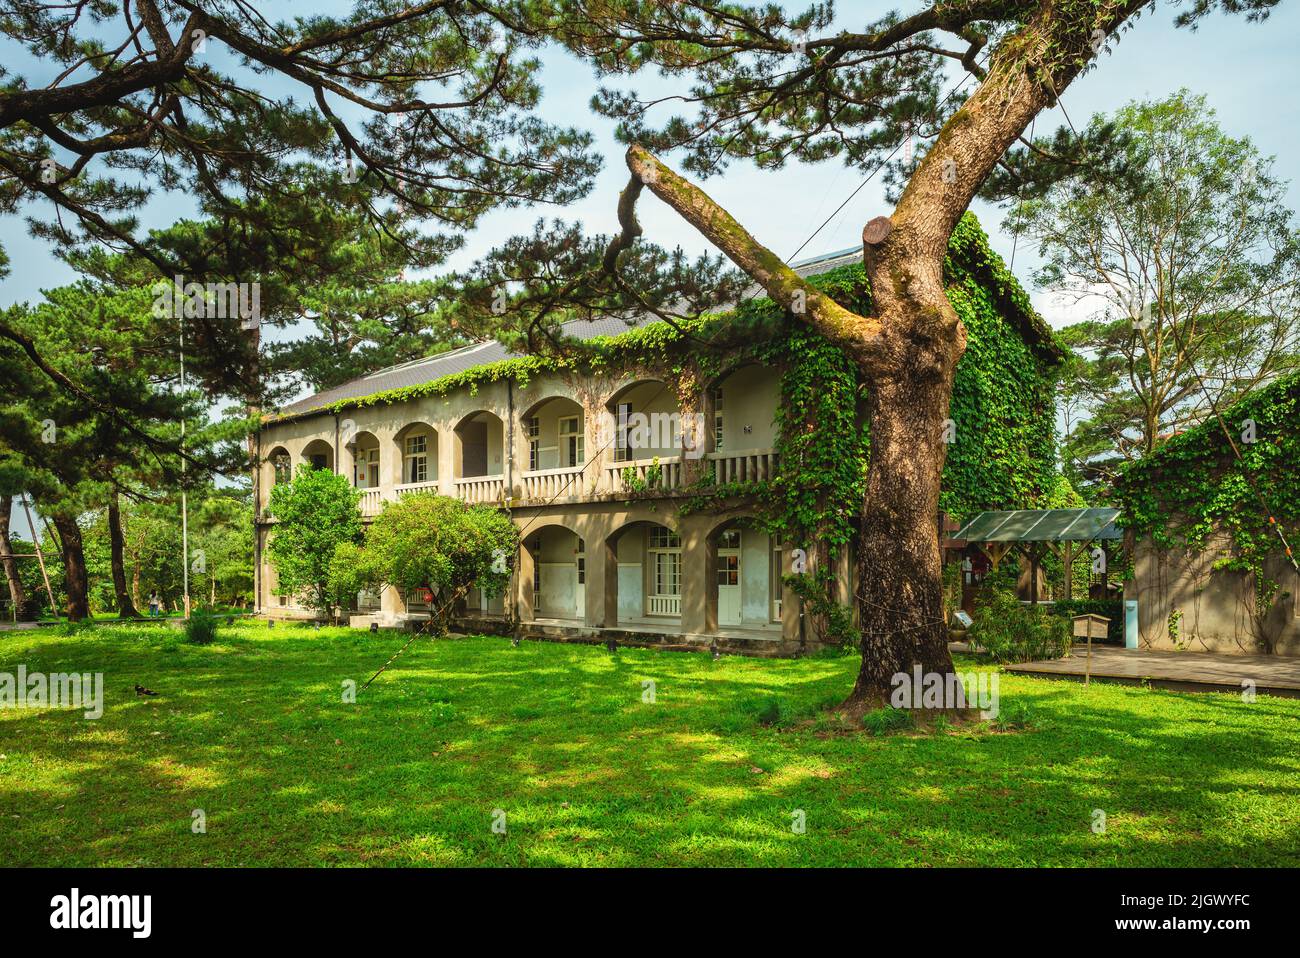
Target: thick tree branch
{"x":860,"y":336}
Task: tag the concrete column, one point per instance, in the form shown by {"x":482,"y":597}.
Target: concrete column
{"x":391,"y":452}
{"x":602,"y":579}
{"x":523,"y":597}
{"x":448,"y":449}
{"x":594,"y":440}
{"x":710,"y":580}
{"x":697,"y":433}
{"x":790,"y":602}
{"x":695,"y":575}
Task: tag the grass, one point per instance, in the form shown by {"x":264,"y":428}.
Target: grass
{"x":253,"y":730}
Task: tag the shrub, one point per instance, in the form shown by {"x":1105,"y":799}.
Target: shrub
{"x":1014,"y":715}
{"x":885,"y":720}
{"x":201,"y":627}
{"x":1112,"y":609}
{"x":765,"y":710}
{"x":1010,"y":631}
{"x":427,"y":541}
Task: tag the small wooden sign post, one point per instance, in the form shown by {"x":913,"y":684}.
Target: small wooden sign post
{"x":1084,"y":627}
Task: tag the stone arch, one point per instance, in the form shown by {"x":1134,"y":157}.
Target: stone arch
{"x":553,"y":570}
{"x":318,"y":454}
{"x":644,"y":574}
{"x":479,"y":445}
{"x":416,"y":447}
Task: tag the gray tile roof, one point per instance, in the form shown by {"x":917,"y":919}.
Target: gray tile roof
{"x":426,"y":370}
{"x":419,"y":371}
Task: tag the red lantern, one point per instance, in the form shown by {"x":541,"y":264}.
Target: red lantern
{"x":426,"y":595}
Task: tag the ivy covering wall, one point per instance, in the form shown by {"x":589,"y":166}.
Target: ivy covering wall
{"x":1195,"y":487}
{"x":1002,"y":407}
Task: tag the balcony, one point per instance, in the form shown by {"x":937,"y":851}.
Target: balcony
{"x":372,"y":502}
{"x":663,"y":473}
{"x":663,"y":605}
{"x":745,"y":465}
{"x":430,"y":485}
{"x":481,"y":489}
{"x":548,"y":484}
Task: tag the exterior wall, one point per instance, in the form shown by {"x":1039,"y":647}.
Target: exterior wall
{"x":1217,"y":606}
{"x":591,"y":500}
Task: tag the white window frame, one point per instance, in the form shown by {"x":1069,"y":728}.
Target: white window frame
{"x":415,"y":461}
{"x":622,"y":414}
{"x":572,"y":441}
{"x":533,"y":429}
{"x":776,"y":574}
{"x":665,"y":546}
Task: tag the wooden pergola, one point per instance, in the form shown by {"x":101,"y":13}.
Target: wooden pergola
{"x":1033,"y":532}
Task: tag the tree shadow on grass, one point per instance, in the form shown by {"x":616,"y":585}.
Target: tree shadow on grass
{"x":257,"y":734}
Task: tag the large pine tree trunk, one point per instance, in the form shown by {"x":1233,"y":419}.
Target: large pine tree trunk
{"x":125,"y":607}
{"x":75,"y":580}
{"x":16,"y":594}
{"x":900,"y":584}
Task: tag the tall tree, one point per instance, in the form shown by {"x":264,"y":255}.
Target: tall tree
{"x":75,"y":455}
{"x":1188,"y":245}
{"x":117,"y":549}
{"x":17,"y":597}
{"x":768,"y":86}
{"x":398,"y":117}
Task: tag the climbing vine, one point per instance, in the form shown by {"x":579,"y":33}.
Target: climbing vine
{"x":1003,"y":455}
{"x":1195,"y":488}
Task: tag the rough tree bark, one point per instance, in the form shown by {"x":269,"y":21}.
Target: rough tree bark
{"x":907,"y":351}
{"x":125,"y":607}
{"x":16,"y":595}
{"x":75,"y":579}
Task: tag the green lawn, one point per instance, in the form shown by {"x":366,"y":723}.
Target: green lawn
{"x":253,"y":730}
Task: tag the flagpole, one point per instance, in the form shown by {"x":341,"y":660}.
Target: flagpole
{"x":185,"y":515}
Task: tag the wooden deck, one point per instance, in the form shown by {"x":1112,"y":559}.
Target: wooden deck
{"x":1186,"y":671}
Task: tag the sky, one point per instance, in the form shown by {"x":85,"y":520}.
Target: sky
{"x":1249,"y":73}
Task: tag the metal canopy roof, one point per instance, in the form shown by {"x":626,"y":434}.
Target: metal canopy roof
{"x":1042,"y":525}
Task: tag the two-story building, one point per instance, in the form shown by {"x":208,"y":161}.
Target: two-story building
{"x":593,"y":462}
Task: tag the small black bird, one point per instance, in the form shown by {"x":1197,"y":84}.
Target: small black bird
{"x":612,"y":645}
{"x":141,"y":690}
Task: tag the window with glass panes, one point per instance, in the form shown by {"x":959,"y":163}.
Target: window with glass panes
{"x":623,"y":413}
{"x":534,"y":428}
{"x":417,"y":459}
{"x":717,"y":419}
{"x":571,"y":441}
{"x":666,"y":560}
{"x":536,"y":549}
{"x":776,"y":582}
{"x":729,"y":561}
